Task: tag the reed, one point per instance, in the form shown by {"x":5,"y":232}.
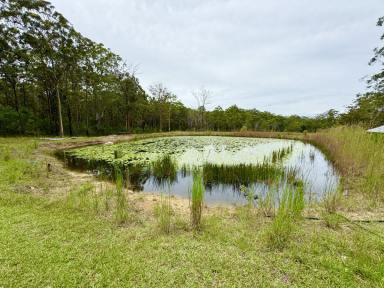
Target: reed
{"x":280,"y":154}
{"x":163,"y":213}
{"x":249,"y":194}
{"x":164,"y":170}
{"x":289,"y":211}
{"x":241,"y":174}
{"x":359,"y":156}
{"x":121,"y":211}
{"x":266,"y":205}
{"x":197,"y":199}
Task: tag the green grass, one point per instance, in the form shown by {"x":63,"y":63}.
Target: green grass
{"x":163,"y":213}
{"x":46,"y":244}
{"x":287,"y":217}
{"x":197,"y":200}
{"x":44,"y":241}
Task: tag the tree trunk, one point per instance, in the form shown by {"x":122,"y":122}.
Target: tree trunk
{"x":67,"y":102}
{"x":161,"y":120}
{"x":61,"y":128}
{"x":169,"y":119}
{"x":86,"y":111}
{"x":16,"y":97}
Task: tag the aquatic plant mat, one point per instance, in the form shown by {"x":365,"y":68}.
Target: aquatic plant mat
{"x":227,"y":163}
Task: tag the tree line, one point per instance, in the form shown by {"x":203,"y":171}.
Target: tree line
{"x":55,"y":81}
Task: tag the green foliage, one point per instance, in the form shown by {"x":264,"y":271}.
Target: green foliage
{"x":367,"y":110}
{"x":46,"y":81}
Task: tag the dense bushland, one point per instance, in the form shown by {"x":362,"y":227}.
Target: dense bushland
{"x":54,"y":81}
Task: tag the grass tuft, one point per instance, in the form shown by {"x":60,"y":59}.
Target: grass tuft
{"x":197,"y":200}
{"x":289,"y":212}
{"x":121,"y":212}
{"x":163,"y":213}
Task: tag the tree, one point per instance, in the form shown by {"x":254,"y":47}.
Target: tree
{"x":202,"y":97}
{"x":163,"y":98}
{"x":377,"y":80}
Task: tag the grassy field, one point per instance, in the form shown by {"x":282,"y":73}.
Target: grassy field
{"x":59,"y":229}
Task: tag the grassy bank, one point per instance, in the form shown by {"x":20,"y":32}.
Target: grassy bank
{"x":359,"y":156}
{"x":63,"y":239}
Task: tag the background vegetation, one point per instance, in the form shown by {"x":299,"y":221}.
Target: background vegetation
{"x":54,"y":81}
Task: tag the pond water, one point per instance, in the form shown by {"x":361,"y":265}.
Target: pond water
{"x":228,"y":164}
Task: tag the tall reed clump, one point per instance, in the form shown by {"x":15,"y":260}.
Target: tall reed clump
{"x":197,"y":200}
{"x":280,"y":154}
{"x":331,"y":201}
{"x":163,"y":213}
{"x":358,"y":155}
{"x":267,"y":204}
{"x":164,"y":169}
{"x":121,"y":212}
{"x":289,"y":211}
{"x":240,"y":174}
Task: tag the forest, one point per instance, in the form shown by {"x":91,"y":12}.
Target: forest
{"x":55,"y":81}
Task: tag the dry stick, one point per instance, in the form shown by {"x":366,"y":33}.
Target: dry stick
{"x":354,"y":222}
{"x":349,"y":220}
{"x":363,"y":228}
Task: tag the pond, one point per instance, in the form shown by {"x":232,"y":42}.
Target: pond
{"x":229,"y":165}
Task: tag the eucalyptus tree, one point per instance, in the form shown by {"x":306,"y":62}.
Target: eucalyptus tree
{"x":377,"y":80}
{"x":133,"y":96}
{"x":202,"y":97}
{"x":164,"y":99}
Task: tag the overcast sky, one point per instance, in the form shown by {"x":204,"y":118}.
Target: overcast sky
{"x":283,"y":56}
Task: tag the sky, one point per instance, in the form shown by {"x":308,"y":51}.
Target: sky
{"x":283,"y":56}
